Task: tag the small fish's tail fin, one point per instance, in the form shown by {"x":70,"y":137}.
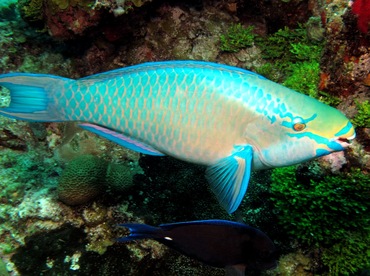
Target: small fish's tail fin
{"x":31,"y":96}
{"x":140,"y":231}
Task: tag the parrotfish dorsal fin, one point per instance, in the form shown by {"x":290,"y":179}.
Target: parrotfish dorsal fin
{"x":229,"y":177}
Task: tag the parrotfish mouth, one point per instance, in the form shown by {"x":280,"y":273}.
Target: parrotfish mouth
{"x":344,"y":142}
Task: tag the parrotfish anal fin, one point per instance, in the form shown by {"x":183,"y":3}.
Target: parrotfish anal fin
{"x":121,"y":139}
{"x":230,"y":176}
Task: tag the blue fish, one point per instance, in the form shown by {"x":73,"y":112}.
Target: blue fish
{"x":218,"y":243}
{"x":229,"y":119}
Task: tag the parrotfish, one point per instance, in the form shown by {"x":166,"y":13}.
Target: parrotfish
{"x":219,"y":243}
{"x":229,"y":119}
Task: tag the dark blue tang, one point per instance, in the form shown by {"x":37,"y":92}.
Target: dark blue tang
{"x":218,"y":243}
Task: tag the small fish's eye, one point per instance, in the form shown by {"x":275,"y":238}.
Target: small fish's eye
{"x":299,"y":126}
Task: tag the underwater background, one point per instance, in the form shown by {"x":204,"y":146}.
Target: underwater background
{"x":63,"y":190}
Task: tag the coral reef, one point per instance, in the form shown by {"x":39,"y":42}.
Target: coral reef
{"x":68,"y":19}
{"x":294,"y":264}
{"x":318,"y":212}
{"x":345,"y":62}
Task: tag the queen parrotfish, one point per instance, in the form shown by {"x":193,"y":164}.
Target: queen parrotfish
{"x":219,"y":243}
{"x":229,"y":119}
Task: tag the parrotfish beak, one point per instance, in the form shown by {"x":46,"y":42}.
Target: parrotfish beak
{"x":341,"y":140}
{"x":344,"y":137}
{"x":345,"y":142}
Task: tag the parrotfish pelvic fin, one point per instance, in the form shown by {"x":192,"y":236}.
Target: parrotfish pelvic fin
{"x":230,"y":176}
{"x":31,"y":98}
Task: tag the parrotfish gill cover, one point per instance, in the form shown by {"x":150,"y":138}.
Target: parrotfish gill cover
{"x":229,"y":119}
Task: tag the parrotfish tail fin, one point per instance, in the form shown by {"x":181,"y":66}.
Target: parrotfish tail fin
{"x":30,"y":96}
{"x":229,"y":177}
{"x":140,"y":231}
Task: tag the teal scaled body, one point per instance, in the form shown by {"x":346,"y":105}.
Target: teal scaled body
{"x":229,"y":119}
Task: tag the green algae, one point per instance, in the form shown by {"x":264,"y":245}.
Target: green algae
{"x":65,"y":4}
{"x":304,"y":78}
{"x":337,"y":202}
{"x":61,"y":4}
{"x":237,"y":37}
{"x":292,"y":58}
{"x":31,"y":10}
{"x":350,"y":256}
{"x":362,"y":118}
{"x":57,"y":6}
{"x":3,"y":270}
{"x":330,"y":214}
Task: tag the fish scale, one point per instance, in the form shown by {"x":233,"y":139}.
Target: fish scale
{"x":168,"y":108}
{"x":229,"y":119}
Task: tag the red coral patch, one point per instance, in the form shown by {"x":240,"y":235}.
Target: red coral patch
{"x":362,"y":9}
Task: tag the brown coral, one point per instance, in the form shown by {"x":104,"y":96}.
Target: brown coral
{"x":119,"y":178}
{"x":82,"y":180}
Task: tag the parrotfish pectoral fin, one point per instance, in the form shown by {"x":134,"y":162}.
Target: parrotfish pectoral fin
{"x":121,"y":139}
{"x":139,"y":231}
{"x":30,"y":96}
{"x":230,"y":176}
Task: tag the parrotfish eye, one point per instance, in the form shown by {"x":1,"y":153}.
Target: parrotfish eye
{"x":298,"y":124}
